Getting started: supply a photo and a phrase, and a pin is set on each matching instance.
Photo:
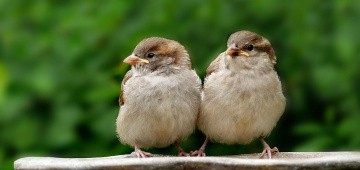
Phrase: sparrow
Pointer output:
(160, 97)
(242, 97)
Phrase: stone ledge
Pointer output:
(282, 160)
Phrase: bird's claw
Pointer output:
(198, 153)
(183, 154)
(142, 154)
(268, 151)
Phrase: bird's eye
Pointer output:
(150, 55)
(249, 47)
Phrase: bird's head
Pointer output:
(248, 50)
(156, 53)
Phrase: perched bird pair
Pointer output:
(161, 101)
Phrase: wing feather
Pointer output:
(127, 76)
(214, 65)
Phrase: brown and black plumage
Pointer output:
(242, 95)
(160, 96)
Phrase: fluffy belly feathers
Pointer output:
(165, 111)
(238, 110)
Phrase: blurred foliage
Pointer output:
(61, 68)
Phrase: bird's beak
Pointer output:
(234, 51)
(133, 60)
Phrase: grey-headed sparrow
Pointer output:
(160, 96)
(242, 95)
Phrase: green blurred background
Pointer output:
(61, 69)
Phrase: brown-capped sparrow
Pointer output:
(160, 96)
(242, 95)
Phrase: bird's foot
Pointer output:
(198, 153)
(201, 151)
(142, 154)
(268, 151)
(180, 150)
(182, 153)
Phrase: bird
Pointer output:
(160, 97)
(242, 97)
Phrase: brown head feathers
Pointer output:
(162, 47)
(244, 38)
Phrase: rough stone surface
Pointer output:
(283, 160)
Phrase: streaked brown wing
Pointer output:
(127, 76)
(214, 65)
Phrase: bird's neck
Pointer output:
(162, 70)
(246, 65)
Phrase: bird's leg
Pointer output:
(180, 150)
(201, 151)
(267, 150)
(141, 154)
